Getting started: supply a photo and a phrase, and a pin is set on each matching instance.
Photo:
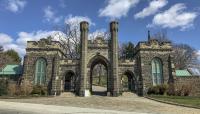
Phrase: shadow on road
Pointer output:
(99, 93)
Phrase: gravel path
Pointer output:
(127, 103)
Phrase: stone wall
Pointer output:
(192, 82)
(145, 53)
(66, 66)
(48, 50)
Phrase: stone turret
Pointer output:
(84, 28)
(114, 58)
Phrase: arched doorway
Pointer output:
(69, 81)
(98, 66)
(128, 82)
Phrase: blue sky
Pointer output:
(22, 20)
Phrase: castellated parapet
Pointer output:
(153, 44)
(98, 42)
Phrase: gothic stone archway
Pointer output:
(98, 89)
(107, 49)
(128, 82)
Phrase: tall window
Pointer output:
(40, 71)
(157, 75)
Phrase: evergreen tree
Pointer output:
(127, 50)
(14, 55)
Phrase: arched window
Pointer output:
(157, 75)
(40, 71)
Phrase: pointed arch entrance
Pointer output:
(69, 81)
(96, 87)
(129, 82)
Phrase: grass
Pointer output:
(185, 100)
(103, 81)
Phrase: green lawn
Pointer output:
(186, 100)
(103, 81)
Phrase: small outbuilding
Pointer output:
(11, 72)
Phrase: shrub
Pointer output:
(3, 87)
(39, 90)
(26, 88)
(186, 90)
(170, 90)
(183, 89)
(19, 90)
(163, 89)
(153, 90)
(12, 89)
(158, 90)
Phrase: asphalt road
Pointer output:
(28, 108)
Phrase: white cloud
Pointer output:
(21, 41)
(74, 21)
(9, 43)
(153, 7)
(18, 48)
(174, 17)
(62, 3)
(97, 33)
(23, 37)
(5, 39)
(50, 15)
(19, 44)
(15, 5)
(117, 8)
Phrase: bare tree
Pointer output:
(161, 36)
(70, 37)
(183, 54)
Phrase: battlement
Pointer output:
(99, 42)
(126, 62)
(154, 44)
(69, 62)
(45, 44)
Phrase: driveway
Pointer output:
(28, 108)
(128, 103)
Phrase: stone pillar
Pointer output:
(55, 89)
(84, 28)
(114, 59)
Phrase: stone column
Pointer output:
(54, 69)
(114, 58)
(84, 28)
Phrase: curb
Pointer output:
(172, 103)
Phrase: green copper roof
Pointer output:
(182, 73)
(11, 70)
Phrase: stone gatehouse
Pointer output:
(45, 64)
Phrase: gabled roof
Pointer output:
(11, 70)
(180, 73)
